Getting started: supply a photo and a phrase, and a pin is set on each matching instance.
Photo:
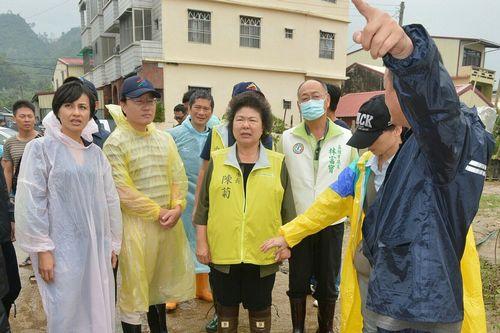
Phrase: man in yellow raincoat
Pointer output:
(155, 263)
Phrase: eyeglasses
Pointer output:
(143, 102)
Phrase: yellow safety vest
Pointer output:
(220, 137)
(237, 223)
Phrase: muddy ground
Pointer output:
(191, 316)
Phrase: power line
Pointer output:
(46, 10)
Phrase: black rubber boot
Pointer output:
(157, 318)
(298, 309)
(325, 317)
(260, 321)
(228, 319)
(129, 328)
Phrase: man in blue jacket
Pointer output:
(414, 233)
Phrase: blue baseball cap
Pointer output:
(136, 86)
(244, 87)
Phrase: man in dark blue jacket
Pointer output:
(414, 234)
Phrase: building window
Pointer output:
(206, 89)
(135, 27)
(250, 31)
(472, 58)
(93, 9)
(108, 47)
(288, 33)
(199, 26)
(287, 105)
(142, 25)
(326, 45)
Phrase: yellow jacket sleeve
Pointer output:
(326, 209)
(132, 201)
(177, 177)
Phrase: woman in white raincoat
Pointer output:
(68, 217)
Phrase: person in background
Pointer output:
(316, 151)
(24, 116)
(72, 237)
(245, 196)
(335, 92)
(190, 138)
(180, 113)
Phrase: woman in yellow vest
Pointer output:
(244, 199)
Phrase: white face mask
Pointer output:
(312, 109)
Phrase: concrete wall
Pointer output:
(298, 55)
(276, 87)
(363, 57)
(450, 51)
(62, 71)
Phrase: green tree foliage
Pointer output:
(27, 60)
(160, 113)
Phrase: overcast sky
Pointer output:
(465, 18)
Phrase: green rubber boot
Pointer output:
(212, 325)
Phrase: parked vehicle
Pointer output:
(5, 133)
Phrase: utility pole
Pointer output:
(401, 12)
(498, 93)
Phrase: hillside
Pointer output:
(27, 59)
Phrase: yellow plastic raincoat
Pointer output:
(155, 263)
(331, 206)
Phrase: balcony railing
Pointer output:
(478, 74)
(112, 69)
(123, 5)
(133, 55)
(86, 37)
(98, 76)
(110, 17)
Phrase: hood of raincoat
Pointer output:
(122, 122)
(53, 128)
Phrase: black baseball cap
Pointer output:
(244, 87)
(372, 120)
(86, 83)
(136, 86)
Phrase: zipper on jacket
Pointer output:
(244, 208)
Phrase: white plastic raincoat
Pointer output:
(155, 263)
(66, 202)
(190, 143)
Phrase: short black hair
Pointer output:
(187, 95)
(334, 92)
(201, 94)
(22, 103)
(255, 101)
(180, 108)
(70, 92)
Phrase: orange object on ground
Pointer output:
(202, 288)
